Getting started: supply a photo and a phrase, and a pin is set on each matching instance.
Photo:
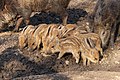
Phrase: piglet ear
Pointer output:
(104, 35)
(89, 43)
(60, 26)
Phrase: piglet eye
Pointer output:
(52, 46)
(96, 59)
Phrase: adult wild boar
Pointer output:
(106, 19)
(22, 9)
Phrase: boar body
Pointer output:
(24, 8)
(106, 19)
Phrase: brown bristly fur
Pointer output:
(65, 45)
(56, 30)
(76, 30)
(36, 38)
(74, 45)
(26, 7)
(89, 54)
(95, 37)
(23, 36)
(50, 33)
(65, 29)
(106, 17)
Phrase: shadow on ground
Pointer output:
(16, 64)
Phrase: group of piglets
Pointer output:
(53, 38)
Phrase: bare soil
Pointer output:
(16, 64)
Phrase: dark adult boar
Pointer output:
(24, 8)
(106, 19)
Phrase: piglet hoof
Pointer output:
(77, 61)
(29, 49)
(100, 62)
(58, 57)
(112, 47)
(45, 55)
(84, 64)
(67, 62)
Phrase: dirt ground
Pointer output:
(16, 64)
